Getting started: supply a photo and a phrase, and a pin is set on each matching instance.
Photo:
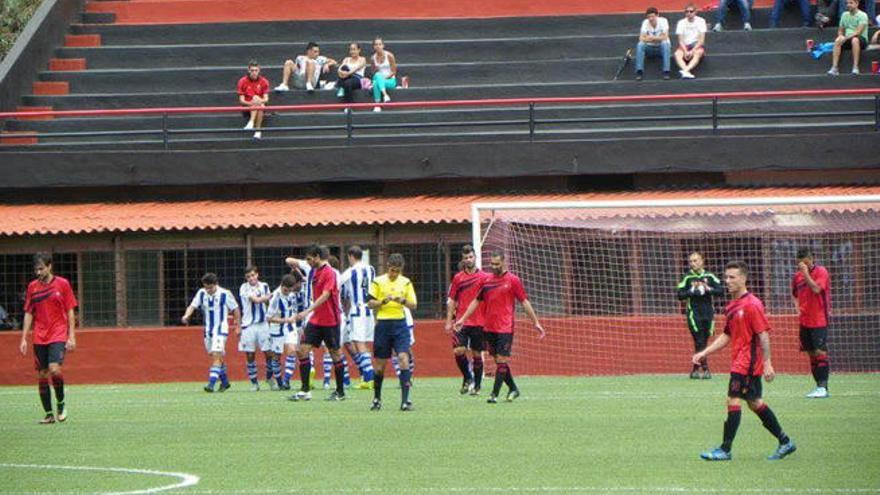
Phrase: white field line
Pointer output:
(185, 479)
(553, 489)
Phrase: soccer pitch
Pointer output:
(632, 434)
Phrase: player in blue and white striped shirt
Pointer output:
(255, 329)
(287, 301)
(216, 304)
(356, 282)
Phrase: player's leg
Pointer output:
(218, 348)
(41, 364)
(819, 338)
(327, 366)
(365, 364)
(401, 346)
(737, 389)
(305, 365)
(56, 359)
(694, 330)
(477, 345)
(382, 344)
(702, 340)
(331, 336)
(214, 369)
(459, 352)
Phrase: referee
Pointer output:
(697, 288)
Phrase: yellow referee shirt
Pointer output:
(383, 286)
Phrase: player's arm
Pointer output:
(376, 298)
(719, 343)
(188, 314)
(683, 290)
(319, 301)
(467, 313)
(805, 270)
(715, 288)
(25, 328)
(236, 320)
(769, 372)
(451, 306)
(71, 330)
(409, 297)
(530, 311)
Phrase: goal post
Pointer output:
(603, 276)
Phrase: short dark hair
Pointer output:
(498, 254)
(738, 265)
(209, 279)
(311, 45)
(290, 280)
(315, 251)
(467, 249)
(251, 268)
(804, 252)
(333, 261)
(253, 63)
(396, 261)
(356, 252)
(42, 258)
(652, 10)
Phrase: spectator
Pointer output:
(778, 5)
(691, 33)
(253, 93)
(6, 323)
(826, 13)
(875, 40)
(870, 10)
(745, 10)
(852, 34)
(653, 42)
(384, 73)
(308, 70)
(350, 73)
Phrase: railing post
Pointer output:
(877, 112)
(165, 130)
(714, 115)
(531, 121)
(349, 128)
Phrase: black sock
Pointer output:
(462, 362)
(814, 361)
(378, 378)
(339, 371)
(500, 371)
(478, 371)
(823, 369)
(508, 378)
(45, 395)
(305, 371)
(404, 386)
(734, 414)
(695, 368)
(768, 419)
(58, 385)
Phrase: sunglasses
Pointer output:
(689, 11)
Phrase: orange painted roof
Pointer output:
(82, 218)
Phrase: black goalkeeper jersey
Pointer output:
(699, 305)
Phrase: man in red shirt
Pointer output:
(747, 330)
(811, 289)
(253, 93)
(498, 295)
(465, 286)
(323, 327)
(49, 309)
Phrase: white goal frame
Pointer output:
(477, 208)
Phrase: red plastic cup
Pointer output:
(875, 67)
(810, 45)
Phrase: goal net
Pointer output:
(603, 276)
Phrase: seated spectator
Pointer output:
(253, 93)
(875, 40)
(691, 32)
(852, 34)
(826, 13)
(653, 42)
(745, 10)
(308, 70)
(384, 73)
(870, 9)
(350, 73)
(778, 5)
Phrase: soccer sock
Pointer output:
(268, 369)
(508, 378)
(478, 371)
(339, 371)
(224, 379)
(328, 366)
(276, 370)
(734, 414)
(462, 362)
(404, 385)
(368, 371)
(58, 385)
(814, 364)
(359, 362)
(500, 371)
(704, 364)
(377, 386)
(346, 373)
(289, 367)
(823, 369)
(305, 370)
(252, 371)
(768, 419)
(213, 375)
(45, 395)
(395, 364)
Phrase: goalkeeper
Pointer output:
(697, 288)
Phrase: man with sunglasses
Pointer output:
(691, 32)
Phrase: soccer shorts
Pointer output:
(814, 339)
(744, 387)
(256, 335)
(292, 338)
(345, 332)
(216, 343)
(48, 353)
(498, 344)
(470, 337)
(391, 335)
(276, 344)
(362, 328)
(315, 335)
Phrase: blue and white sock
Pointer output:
(290, 365)
(213, 375)
(412, 364)
(276, 370)
(346, 374)
(252, 371)
(395, 364)
(224, 379)
(268, 370)
(366, 366)
(328, 367)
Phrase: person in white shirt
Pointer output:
(307, 70)
(254, 296)
(745, 10)
(691, 32)
(653, 42)
(216, 304)
(287, 301)
(356, 280)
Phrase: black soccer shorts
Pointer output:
(814, 339)
(744, 387)
(470, 337)
(48, 353)
(499, 344)
(315, 335)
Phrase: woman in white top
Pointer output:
(384, 73)
(350, 73)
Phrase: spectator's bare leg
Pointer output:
(835, 54)
(695, 60)
(679, 59)
(289, 66)
(258, 115)
(857, 51)
(311, 73)
(253, 120)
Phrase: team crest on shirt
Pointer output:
(740, 313)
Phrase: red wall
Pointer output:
(574, 346)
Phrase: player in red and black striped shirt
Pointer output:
(747, 330)
(49, 309)
(498, 295)
(464, 289)
(811, 290)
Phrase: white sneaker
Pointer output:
(747, 27)
(249, 125)
(686, 74)
(377, 109)
(302, 396)
(717, 28)
(255, 386)
(258, 135)
(833, 72)
(309, 87)
(326, 385)
(855, 71)
(282, 87)
(386, 99)
(819, 393)
(330, 85)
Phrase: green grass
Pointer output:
(636, 434)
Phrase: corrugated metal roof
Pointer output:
(151, 216)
